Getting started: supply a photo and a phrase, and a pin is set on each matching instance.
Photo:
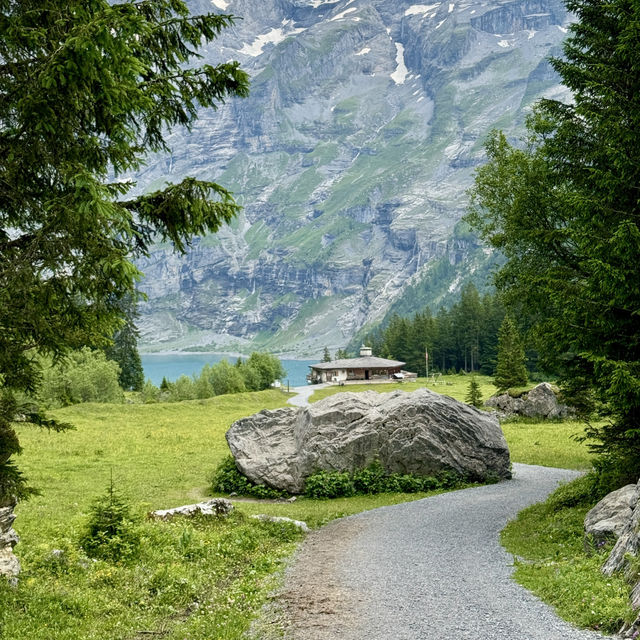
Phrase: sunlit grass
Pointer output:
(455, 386)
(547, 542)
(162, 455)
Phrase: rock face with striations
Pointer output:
(540, 402)
(351, 158)
(420, 433)
(617, 516)
(9, 564)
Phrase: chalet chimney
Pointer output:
(365, 351)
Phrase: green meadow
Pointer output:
(205, 578)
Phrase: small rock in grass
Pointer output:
(213, 507)
(296, 523)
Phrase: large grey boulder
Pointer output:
(612, 514)
(539, 402)
(9, 564)
(628, 542)
(617, 515)
(421, 433)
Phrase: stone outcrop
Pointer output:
(354, 200)
(617, 515)
(539, 402)
(213, 507)
(610, 516)
(421, 433)
(9, 564)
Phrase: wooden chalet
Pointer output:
(366, 367)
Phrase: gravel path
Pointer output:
(426, 570)
(304, 393)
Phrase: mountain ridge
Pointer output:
(351, 157)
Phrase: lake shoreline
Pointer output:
(173, 364)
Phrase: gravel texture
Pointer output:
(432, 569)
(303, 394)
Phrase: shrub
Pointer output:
(111, 532)
(225, 378)
(183, 388)
(227, 479)
(84, 376)
(149, 393)
(268, 369)
(329, 484)
(374, 479)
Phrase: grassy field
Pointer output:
(455, 386)
(547, 542)
(190, 580)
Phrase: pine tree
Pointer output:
(565, 213)
(510, 370)
(124, 349)
(89, 89)
(326, 356)
(474, 396)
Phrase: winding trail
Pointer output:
(432, 569)
(301, 399)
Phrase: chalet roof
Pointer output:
(367, 362)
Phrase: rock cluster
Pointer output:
(617, 516)
(421, 433)
(9, 564)
(213, 507)
(540, 402)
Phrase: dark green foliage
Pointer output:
(267, 367)
(111, 533)
(89, 89)
(474, 396)
(341, 354)
(510, 370)
(329, 484)
(565, 213)
(227, 479)
(124, 349)
(464, 337)
(326, 356)
(375, 479)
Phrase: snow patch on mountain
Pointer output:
(401, 72)
(275, 36)
(417, 9)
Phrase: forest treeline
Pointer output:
(462, 338)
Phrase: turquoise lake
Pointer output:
(173, 365)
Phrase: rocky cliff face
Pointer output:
(351, 157)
